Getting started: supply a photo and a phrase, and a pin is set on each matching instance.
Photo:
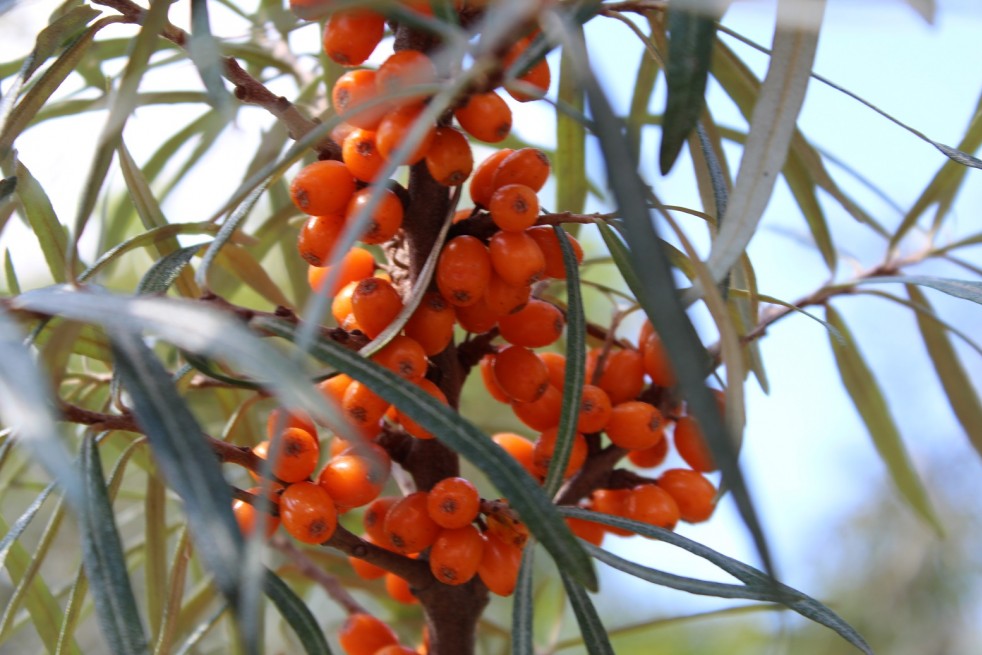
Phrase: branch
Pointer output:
(415, 572)
(307, 567)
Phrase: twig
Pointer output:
(306, 566)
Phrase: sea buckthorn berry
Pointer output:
(502, 298)
(341, 304)
(432, 323)
(479, 317)
(613, 502)
(411, 426)
(333, 388)
(545, 446)
(351, 36)
(499, 565)
(375, 303)
(352, 92)
(386, 219)
(538, 75)
(520, 374)
(363, 634)
(647, 458)
(556, 363)
(516, 258)
(586, 530)
(695, 495)
(352, 481)
(656, 362)
(404, 69)
(456, 554)
(691, 445)
(514, 207)
(323, 187)
(248, 516)
(536, 325)
(635, 425)
(528, 166)
(548, 242)
(623, 375)
(453, 502)
(360, 154)
(590, 364)
(357, 264)
(362, 406)
(485, 116)
(296, 454)
(408, 524)
(449, 158)
(280, 419)
(317, 238)
(521, 449)
(374, 520)
(480, 187)
(649, 503)
(399, 590)
(404, 357)
(487, 376)
(394, 128)
(463, 270)
(307, 512)
(595, 410)
(543, 413)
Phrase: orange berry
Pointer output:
(394, 127)
(399, 589)
(317, 238)
(623, 375)
(356, 265)
(411, 426)
(333, 388)
(695, 495)
(351, 36)
(307, 512)
(362, 406)
(352, 481)
(656, 362)
(514, 207)
(543, 413)
(520, 374)
(449, 158)
(432, 324)
(501, 298)
(323, 187)
(363, 634)
(528, 166)
(538, 75)
(456, 554)
(296, 454)
(548, 242)
(649, 503)
(352, 92)
(586, 530)
(375, 303)
(280, 419)
(647, 458)
(341, 306)
(691, 445)
(403, 69)
(520, 448)
(536, 325)
(463, 270)
(545, 446)
(404, 357)
(247, 516)
(478, 318)
(408, 524)
(499, 565)
(636, 425)
(374, 520)
(595, 410)
(360, 154)
(487, 376)
(556, 363)
(485, 116)
(613, 502)
(481, 188)
(453, 502)
(516, 258)
(385, 220)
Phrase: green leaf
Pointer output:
(872, 407)
(165, 270)
(175, 594)
(591, 626)
(570, 159)
(22, 523)
(246, 270)
(105, 562)
(10, 273)
(956, 382)
(771, 129)
(155, 546)
(297, 614)
(964, 289)
(690, 48)
(44, 223)
(57, 33)
(148, 238)
(644, 86)
(523, 606)
(225, 233)
(185, 460)
(204, 51)
(575, 369)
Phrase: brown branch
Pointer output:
(329, 583)
(415, 572)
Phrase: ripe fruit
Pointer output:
(280, 419)
(636, 425)
(352, 92)
(656, 362)
(296, 454)
(350, 37)
(516, 258)
(613, 502)
(374, 520)
(363, 634)
(431, 325)
(649, 503)
(545, 446)
(502, 299)
(536, 325)
(595, 410)
(453, 503)
(404, 357)
(695, 495)
(463, 270)
(323, 187)
(649, 457)
(623, 375)
(307, 512)
(548, 243)
(360, 154)
(485, 116)
(543, 413)
(520, 374)
(514, 207)
(449, 158)
(353, 481)
(519, 448)
(456, 554)
(691, 445)
(586, 530)
(394, 128)
(538, 75)
(481, 188)
(487, 376)
(403, 69)
(248, 516)
(478, 318)
(317, 238)
(375, 303)
(499, 565)
(384, 221)
(362, 406)
(408, 524)
(528, 166)
(356, 265)
(411, 426)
